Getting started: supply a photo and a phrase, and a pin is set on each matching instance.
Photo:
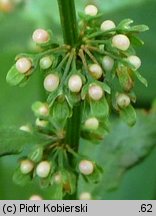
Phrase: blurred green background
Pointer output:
(16, 27)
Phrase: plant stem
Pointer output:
(68, 21)
(70, 34)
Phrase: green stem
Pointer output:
(68, 21)
(70, 34)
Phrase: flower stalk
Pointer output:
(70, 35)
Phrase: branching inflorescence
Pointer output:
(99, 72)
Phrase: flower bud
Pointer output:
(75, 83)
(25, 128)
(92, 123)
(6, 6)
(57, 178)
(86, 167)
(40, 109)
(95, 92)
(51, 82)
(45, 62)
(44, 110)
(135, 61)
(91, 10)
(85, 196)
(41, 123)
(26, 166)
(107, 63)
(96, 71)
(43, 169)
(35, 198)
(23, 65)
(107, 25)
(123, 100)
(40, 36)
(121, 42)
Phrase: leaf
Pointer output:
(141, 78)
(60, 112)
(20, 178)
(13, 141)
(96, 176)
(139, 28)
(125, 24)
(14, 77)
(100, 108)
(36, 154)
(136, 41)
(123, 148)
(56, 192)
(84, 91)
(128, 114)
(124, 78)
(106, 88)
(69, 181)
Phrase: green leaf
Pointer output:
(106, 88)
(136, 41)
(72, 183)
(100, 108)
(125, 24)
(36, 106)
(128, 114)
(96, 176)
(13, 141)
(56, 192)
(20, 178)
(60, 112)
(139, 28)
(124, 78)
(141, 78)
(72, 98)
(36, 153)
(84, 91)
(69, 181)
(14, 77)
(121, 149)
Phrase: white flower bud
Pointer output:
(86, 167)
(135, 61)
(107, 63)
(25, 128)
(35, 198)
(95, 92)
(85, 196)
(41, 123)
(96, 71)
(43, 169)
(107, 25)
(23, 65)
(91, 10)
(44, 110)
(40, 36)
(51, 82)
(6, 5)
(123, 100)
(121, 42)
(45, 62)
(75, 83)
(57, 178)
(26, 166)
(92, 123)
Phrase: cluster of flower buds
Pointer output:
(85, 75)
(55, 172)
